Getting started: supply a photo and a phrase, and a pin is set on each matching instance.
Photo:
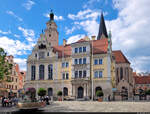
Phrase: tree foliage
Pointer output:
(99, 93)
(41, 92)
(59, 93)
(4, 65)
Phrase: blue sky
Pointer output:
(22, 21)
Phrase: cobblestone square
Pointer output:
(90, 106)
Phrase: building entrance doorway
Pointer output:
(50, 92)
(80, 92)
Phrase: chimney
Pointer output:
(93, 37)
(64, 42)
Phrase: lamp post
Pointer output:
(92, 73)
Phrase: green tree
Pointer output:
(41, 92)
(5, 67)
(59, 93)
(147, 92)
(99, 93)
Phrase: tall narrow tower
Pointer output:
(102, 33)
(51, 32)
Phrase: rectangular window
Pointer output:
(95, 61)
(76, 74)
(84, 60)
(100, 74)
(96, 74)
(100, 61)
(67, 64)
(80, 74)
(80, 61)
(84, 49)
(76, 61)
(80, 49)
(76, 50)
(84, 73)
(63, 76)
(63, 65)
(67, 76)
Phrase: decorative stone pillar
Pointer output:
(84, 86)
(46, 72)
(37, 71)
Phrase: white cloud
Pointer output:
(75, 38)
(17, 36)
(14, 47)
(28, 33)
(2, 32)
(55, 17)
(14, 15)
(130, 30)
(28, 5)
(21, 62)
(85, 14)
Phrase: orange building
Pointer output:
(13, 82)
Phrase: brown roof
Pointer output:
(62, 49)
(99, 47)
(119, 57)
(142, 79)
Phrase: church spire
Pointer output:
(51, 15)
(102, 28)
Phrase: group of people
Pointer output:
(46, 99)
(9, 101)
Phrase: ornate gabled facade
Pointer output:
(124, 78)
(78, 69)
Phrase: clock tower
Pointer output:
(51, 33)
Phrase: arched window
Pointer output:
(50, 71)
(50, 91)
(65, 91)
(117, 74)
(121, 73)
(127, 73)
(33, 68)
(41, 72)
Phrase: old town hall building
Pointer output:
(78, 69)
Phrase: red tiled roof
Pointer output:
(119, 57)
(142, 79)
(62, 49)
(99, 47)
(81, 40)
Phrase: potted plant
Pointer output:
(31, 92)
(99, 94)
(59, 94)
(41, 92)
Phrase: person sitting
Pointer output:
(3, 103)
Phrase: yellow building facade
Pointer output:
(78, 69)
